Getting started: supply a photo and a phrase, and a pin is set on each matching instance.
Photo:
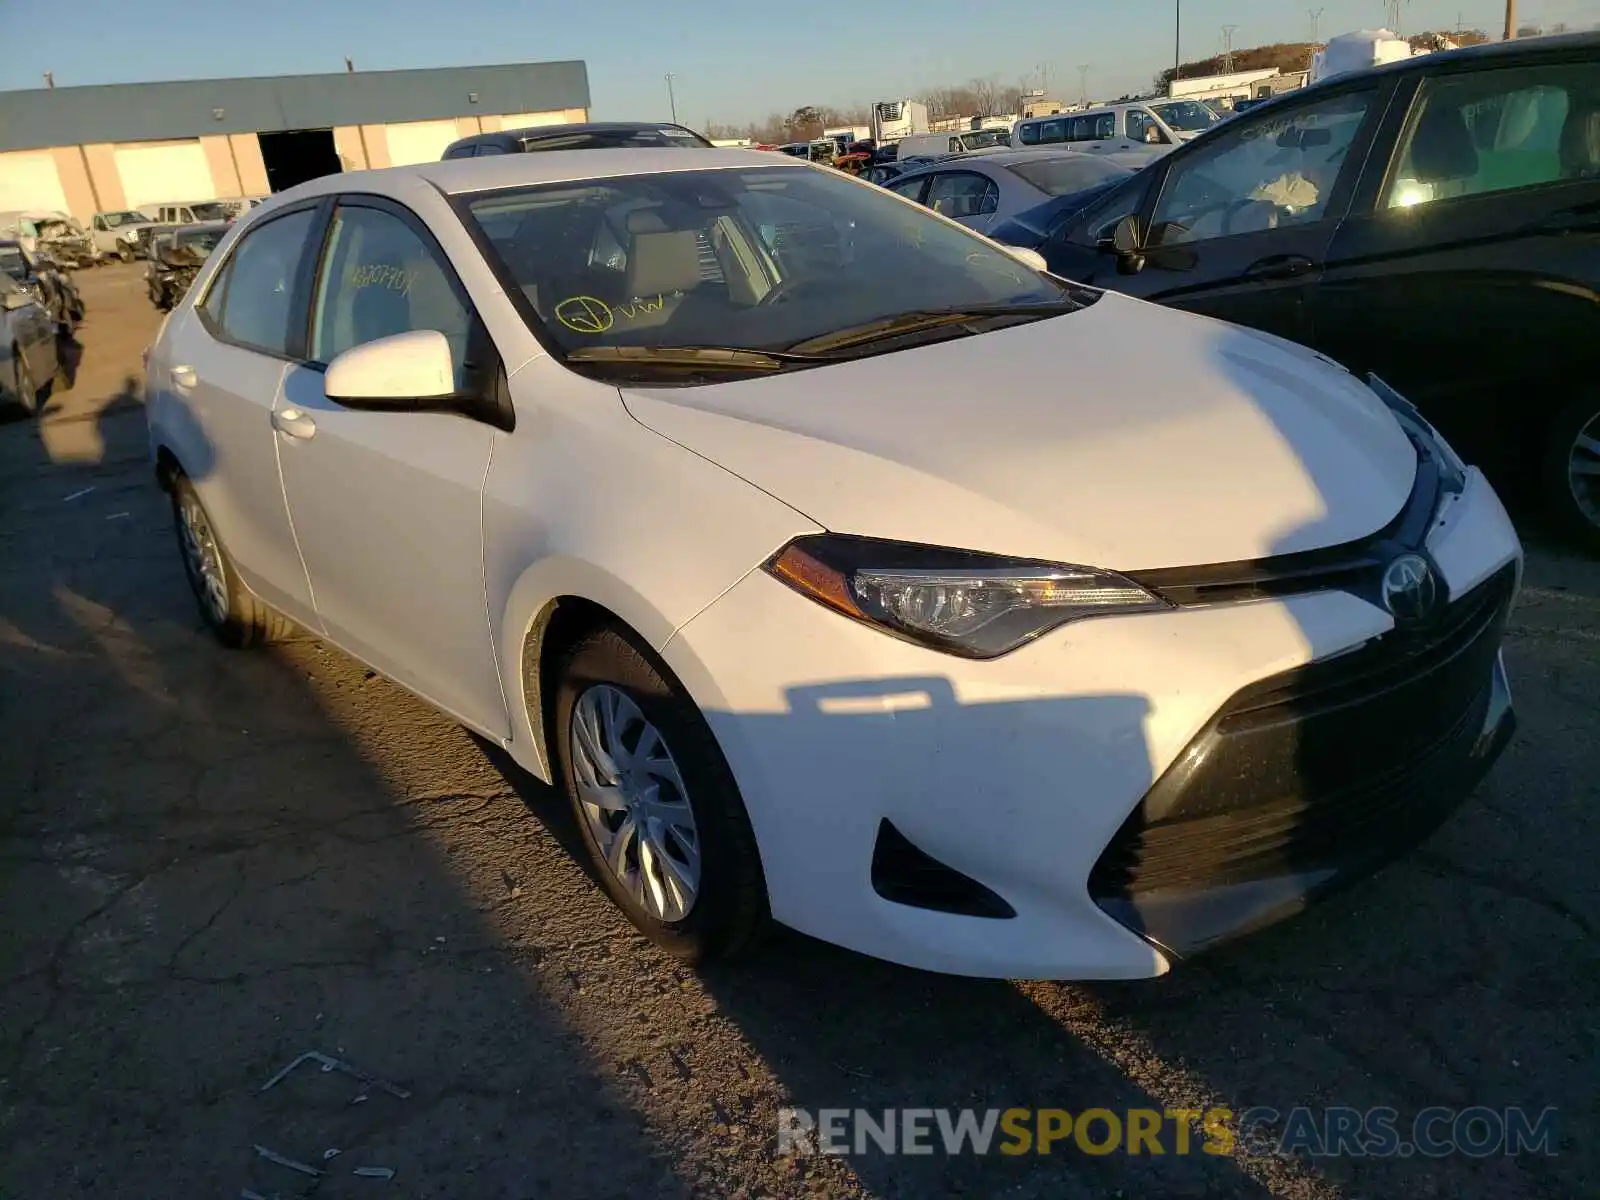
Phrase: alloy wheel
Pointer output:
(634, 802)
(27, 395)
(204, 559)
(1583, 470)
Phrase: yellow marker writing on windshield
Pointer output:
(584, 314)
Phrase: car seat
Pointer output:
(1442, 150)
(1580, 141)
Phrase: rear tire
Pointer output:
(1571, 470)
(228, 609)
(726, 914)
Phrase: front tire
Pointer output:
(655, 802)
(1572, 470)
(24, 392)
(228, 609)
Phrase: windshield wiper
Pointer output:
(920, 319)
(732, 358)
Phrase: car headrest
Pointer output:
(663, 263)
(646, 220)
(1442, 148)
(1580, 142)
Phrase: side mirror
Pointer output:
(1125, 237)
(410, 370)
(1030, 258)
(1152, 135)
(1127, 243)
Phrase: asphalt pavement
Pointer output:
(214, 861)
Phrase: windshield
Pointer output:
(115, 220)
(210, 212)
(1186, 116)
(201, 243)
(1067, 174)
(757, 258)
(984, 138)
(12, 262)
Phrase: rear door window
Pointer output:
(252, 300)
(1481, 132)
(957, 194)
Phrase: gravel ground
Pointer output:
(212, 861)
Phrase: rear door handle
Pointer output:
(1279, 266)
(294, 423)
(183, 377)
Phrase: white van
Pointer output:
(937, 145)
(1119, 126)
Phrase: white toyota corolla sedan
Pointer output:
(843, 569)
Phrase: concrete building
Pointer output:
(96, 149)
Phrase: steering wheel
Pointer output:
(1238, 206)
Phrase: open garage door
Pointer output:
(419, 141)
(29, 182)
(153, 172)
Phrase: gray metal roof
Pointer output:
(132, 112)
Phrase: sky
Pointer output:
(732, 62)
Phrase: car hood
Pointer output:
(1124, 435)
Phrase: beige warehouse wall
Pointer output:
(347, 142)
(554, 116)
(418, 141)
(219, 157)
(31, 179)
(246, 149)
(468, 126)
(377, 147)
(102, 160)
(75, 185)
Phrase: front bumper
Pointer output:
(1313, 779)
(871, 766)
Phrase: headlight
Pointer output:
(973, 605)
(1452, 470)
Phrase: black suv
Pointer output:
(1436, 221)
(609, 135)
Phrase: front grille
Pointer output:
(1320, 773)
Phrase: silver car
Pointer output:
(983, 190)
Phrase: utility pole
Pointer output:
(1227, 48)
(1316, 20)
(1177, 40)
(1511, 19)
(1083, 84)
(671, 98)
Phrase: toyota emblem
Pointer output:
(1410, 589)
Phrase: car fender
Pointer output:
(667, 535)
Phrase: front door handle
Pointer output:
(294, 423)
(1279, 266)
(183, 377)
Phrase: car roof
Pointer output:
(454, 176)
(1518, 48)
(534, 133)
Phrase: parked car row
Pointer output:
(48, 283)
